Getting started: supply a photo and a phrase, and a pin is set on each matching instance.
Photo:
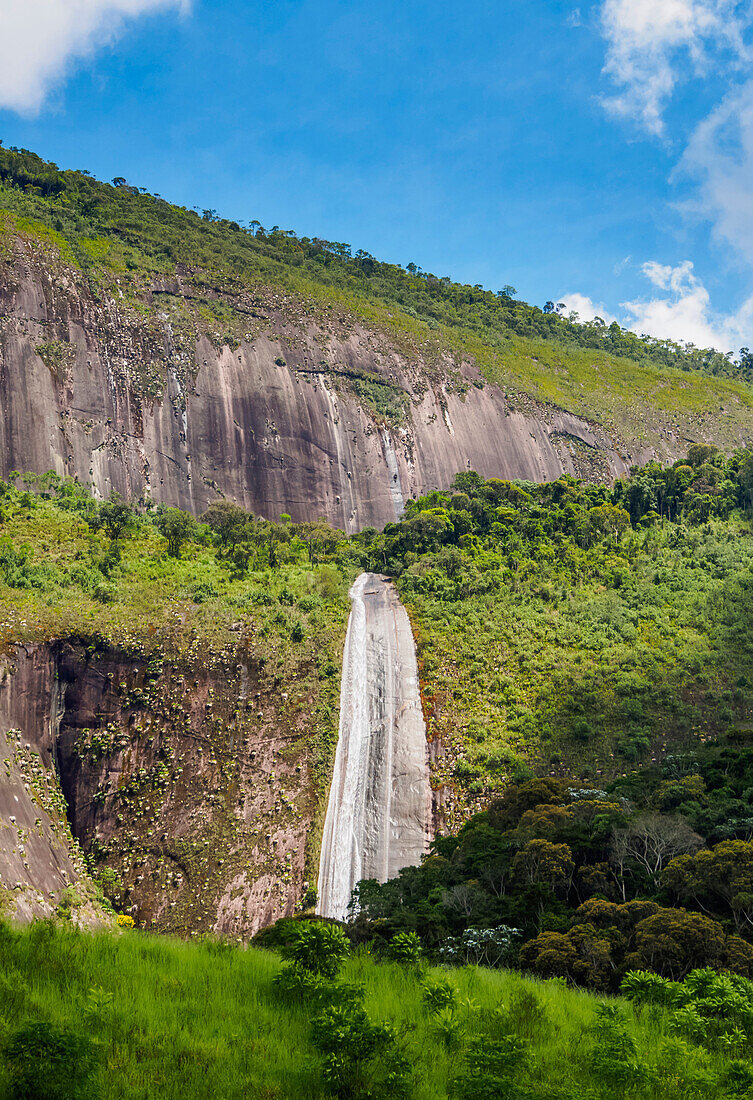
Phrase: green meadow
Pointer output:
(161, 1018)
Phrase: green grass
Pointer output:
(176, 1021)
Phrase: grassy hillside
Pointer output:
(143, 1017)
(119, 240)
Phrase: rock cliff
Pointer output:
(190, 788)
(296, 409)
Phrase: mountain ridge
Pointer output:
(184, 359)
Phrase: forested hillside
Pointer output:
(179, 357)
(140, 231)
(564, 630)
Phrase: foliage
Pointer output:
(188, 1021)
(545, 878)
(361, 1058)
(544, 632)
(711, 1009)
(46, 1062)
(317, 947)
(405, 948)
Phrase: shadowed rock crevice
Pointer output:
(188, 787)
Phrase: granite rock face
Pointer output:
(149, 402)
(188, 786)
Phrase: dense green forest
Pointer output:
(654, 872)
(122, 226)
(588, 626)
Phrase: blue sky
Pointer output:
(601, 154)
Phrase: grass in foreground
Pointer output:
(175, 1020)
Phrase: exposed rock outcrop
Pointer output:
(146, 400)
(191, 787)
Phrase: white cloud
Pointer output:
(685, 313)
(40, 38)
(720, 158)
(651, 44)
(585, 307)
(682, 313)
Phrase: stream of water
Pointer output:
(379, 811)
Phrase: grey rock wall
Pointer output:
(191, 784)
(148, 408)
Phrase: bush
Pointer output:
(361, 1059)
(439, 996)
(46, 1062)
(405, 948)
(317, 947)
(490, 1066)
(613, 1055)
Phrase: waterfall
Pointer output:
(379, 811)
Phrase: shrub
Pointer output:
(490, 1066)
(439, 995)
(480, 947)
(46, 1062)
(405, 948)
(361, 1059)
(613, 1055)
(526, 1014)
(317, 947)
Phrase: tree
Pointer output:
(550, 955)
(540, 861)
(116, 516)
(649, 843)
(720, 874)
(228, 521)
(177, 527)
(609, 521)
(505, 812)
(673, 941)
(320, 537)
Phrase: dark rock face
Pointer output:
(191, 785)
(37, 859)
(95, 389)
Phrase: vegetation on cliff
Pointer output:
(577, 628)
(582, 626)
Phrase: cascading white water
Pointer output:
(379, 811)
